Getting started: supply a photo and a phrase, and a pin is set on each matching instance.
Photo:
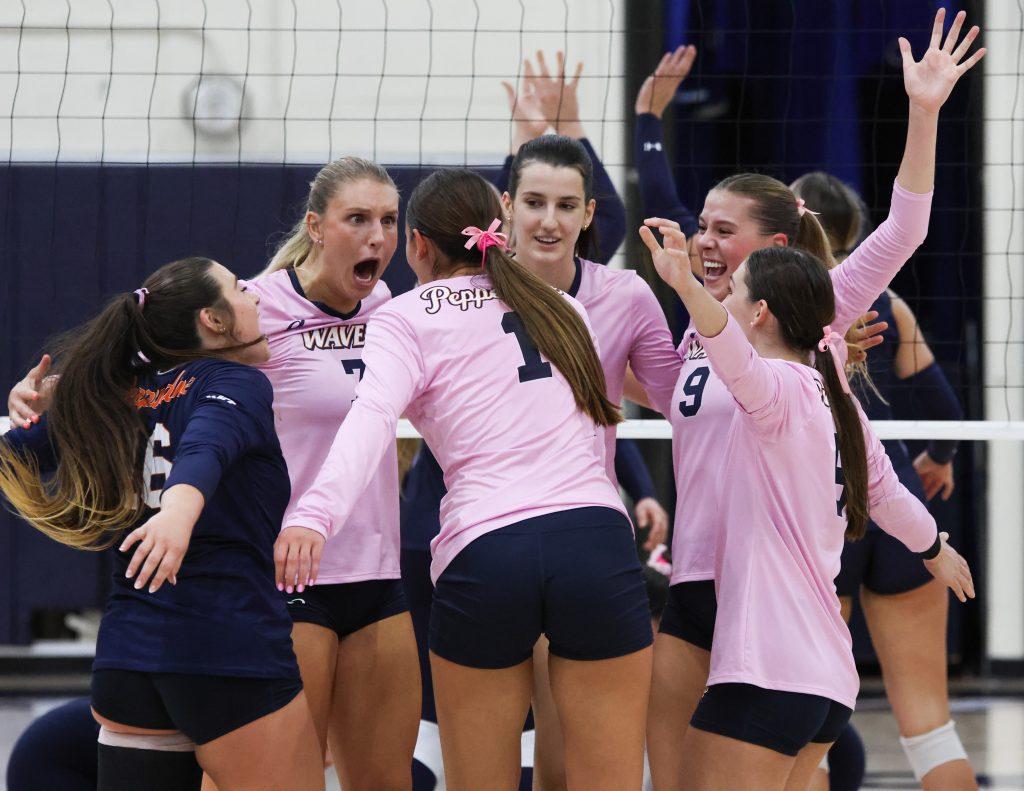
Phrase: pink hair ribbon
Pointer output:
(140, 296)
(827, 344)
(484, 239)
(801, 209)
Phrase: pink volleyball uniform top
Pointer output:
(316, 362)
(781, 496)
(500, 419)
(703, 409)
(630, 327)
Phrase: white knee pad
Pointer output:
(932, 749)
(164, 743)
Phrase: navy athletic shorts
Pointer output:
(347, 607)
(572, 575)
(881, 564)
(203, 708)
(785, 722)
(690, 612)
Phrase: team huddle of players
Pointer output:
(236, 440)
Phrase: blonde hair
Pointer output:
(297, 247)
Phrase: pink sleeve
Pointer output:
(393, 377)
(652, 356)
(862, 277)
(754, 384)
(892, 507)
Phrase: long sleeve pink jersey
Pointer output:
(631, 329)
(500, 419)
(780, 491)
(703, 408)
(316, 362)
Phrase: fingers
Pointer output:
(528, 73)
(967, 579)
(575, 81)
(305, 563)
(280, 559)
(560, 63)
(660, 222)
(291, 567)
(647, 235)
(511, 93)
(166, 569)
(131, 539)
(906, 54)
(542, 65)
(36, 375)
(643, 516)
(967, 64)
(663, 64)
(965, 45)
(686, 62)
(947, 489)
(314, 565)
(940, 18)
(155, 554)
(954, 31)
(870, 342)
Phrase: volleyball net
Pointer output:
(139, 132)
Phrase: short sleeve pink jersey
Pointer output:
(631, 329)
(780, 491)
(702, 408)
(501, 420)
(316, 362)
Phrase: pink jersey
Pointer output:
(316, 361)
(630, 327)
(501, 421)
(780, 491)
(703, 407)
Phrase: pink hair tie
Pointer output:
(140, 296)
(484, 239)
(801, 209)
(827, 344)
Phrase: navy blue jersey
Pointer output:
(211, 426)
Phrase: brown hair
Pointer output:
(94, 427)
(775, 211)
(840, 209)
(798, 291)
(449, 200)
(297, 247)
(560, 151)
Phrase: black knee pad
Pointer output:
(128, 769)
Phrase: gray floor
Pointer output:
(992, 730)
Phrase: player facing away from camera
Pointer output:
(499, 373)
(783, 683)
(160, 418)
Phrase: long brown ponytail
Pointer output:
(93, 424)
(449, 200)
(798, 291)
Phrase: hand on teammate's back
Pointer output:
(660, 86)
(934, 476)
(30, 397)
(950, 568)
(865, 335)
(652, 517)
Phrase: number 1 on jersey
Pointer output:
(534, 367)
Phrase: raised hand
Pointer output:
(528, 119)
(864, 335)
(672, 261)
(556, 94)
(30, 397)
(659, 87)
(929, 81)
